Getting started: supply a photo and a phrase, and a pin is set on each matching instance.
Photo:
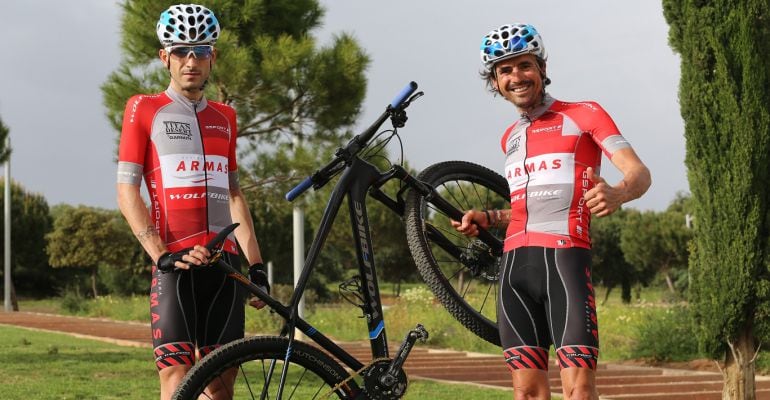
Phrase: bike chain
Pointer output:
(353, 375)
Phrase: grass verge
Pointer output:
(47, 366)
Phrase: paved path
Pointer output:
(614, 381)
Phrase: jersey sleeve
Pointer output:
(604, 131)
(232, 164)
(133, 143)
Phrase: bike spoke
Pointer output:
(486, 296)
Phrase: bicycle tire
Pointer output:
(466, 186)
(312, 373)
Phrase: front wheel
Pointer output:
(258, 362)
(462, 272)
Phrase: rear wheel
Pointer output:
(258, 362)
(461, 271)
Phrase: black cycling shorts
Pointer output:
(546, 297)
(199, 308)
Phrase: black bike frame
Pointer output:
(358, 180)
(355, 183)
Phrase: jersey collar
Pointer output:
(187, 103)
(541, 109)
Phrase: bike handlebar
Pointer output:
(355, 145)
(299, 189)
(404, 94)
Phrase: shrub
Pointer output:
(666, 336)
(73, 301)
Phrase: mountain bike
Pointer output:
(462, 272)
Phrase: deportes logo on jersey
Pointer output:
(547, 129)
(178, 130)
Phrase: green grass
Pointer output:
(45, 366)
(620, 325)
(56, 366)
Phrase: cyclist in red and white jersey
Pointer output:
(183, 145)
(553, 155)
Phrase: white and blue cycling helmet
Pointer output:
(510, 41)
(187, 24)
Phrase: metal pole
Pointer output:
(270, 273)
(7, 227)
(299, 251)
(298, 230)
(299, 260)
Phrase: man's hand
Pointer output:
(469, 225)
(198, 255)
(603, 199)
(258, 277)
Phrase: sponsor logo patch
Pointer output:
(178, 130)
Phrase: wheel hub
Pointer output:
(480, 260)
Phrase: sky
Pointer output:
(613, 52)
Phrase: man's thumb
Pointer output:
(593, 176)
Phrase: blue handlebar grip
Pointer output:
(299, 189)
(405, 93)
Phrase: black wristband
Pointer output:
(258, 276)
(166, 261)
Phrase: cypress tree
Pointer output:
(725, 104)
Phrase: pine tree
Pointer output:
(725, 104)
(268, 67)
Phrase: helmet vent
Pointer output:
(187, 24)
(509, 41)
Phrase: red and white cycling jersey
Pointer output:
(186, 153)
(547, 153)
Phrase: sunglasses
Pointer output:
(201, 51)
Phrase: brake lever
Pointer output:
(398, 116)
(413, 98)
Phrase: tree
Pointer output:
(725, 104)
(609, 266)
(268, 68)
(657, 243)
(5, 151)
(87, 237)
(30, 221)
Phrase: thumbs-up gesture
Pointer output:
(603, 199)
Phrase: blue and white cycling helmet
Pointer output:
(187, 24)
(510, 41)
